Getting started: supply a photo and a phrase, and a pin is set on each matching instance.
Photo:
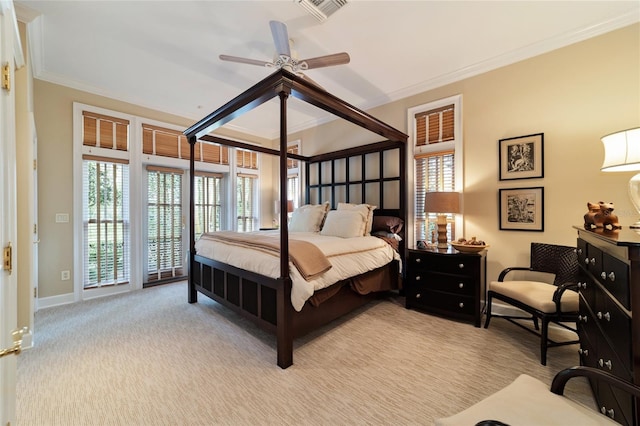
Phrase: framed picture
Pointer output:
(522, 157)
(521, 209)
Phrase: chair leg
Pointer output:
(544, 340)
(535, 323)
(486, 321)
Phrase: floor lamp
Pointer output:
(442, 203)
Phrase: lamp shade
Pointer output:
(442, 202)
(622, 151)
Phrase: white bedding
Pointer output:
(348, 256)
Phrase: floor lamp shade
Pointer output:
(622, 154)
(442, 203)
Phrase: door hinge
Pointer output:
(6, 77)
(7, 260)
(35, 164)
(35, 228)
(35, 292)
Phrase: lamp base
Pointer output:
(442, 232)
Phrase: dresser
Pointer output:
(609, 330)
(446, 283)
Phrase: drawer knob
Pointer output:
(610, 413)
(582, 318)
(612, 276)
(606, 316)
(579, 251)
(418, 278)
(586, 260)
(461, 265)
(418, 260)
(583, 352)
(461, 285)
(603, 275)
(603, 363)
(593, 261)
(461, 305)
(418, 296)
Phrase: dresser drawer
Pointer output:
(452, 264)
(615, 278)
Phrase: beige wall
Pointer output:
(573, 95)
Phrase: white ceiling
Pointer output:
(164, 54)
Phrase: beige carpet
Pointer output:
(150, 358)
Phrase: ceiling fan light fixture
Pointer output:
(321, 9)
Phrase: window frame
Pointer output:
(454, 145)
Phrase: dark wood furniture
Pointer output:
(609, 321)
(267, 301)
(446, 282)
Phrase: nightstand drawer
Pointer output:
(452, 264)
(441, 302)
(451, 283)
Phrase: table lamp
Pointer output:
(442, 203)
(622, 154)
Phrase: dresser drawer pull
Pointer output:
(603, 363)
(461, 305)
(586, 260)
(593, 260)
(609, 413)
(583, 352)
(582, 318)
(582, 285)
(418, 296)
(603, 275)
(606, 316)
(461, 266)
(418, 260)
(579, 251)
(417, 277)
(612, 276)
(461, 285)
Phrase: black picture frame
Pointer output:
(521, 157)
(521, 209)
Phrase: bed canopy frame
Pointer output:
(272, 309)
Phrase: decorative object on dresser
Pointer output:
(546, 290)
(609, 323)
(529, 401)
(600, 215)
(622, 154)
(446, 283)
(522, 157)
(442, 202)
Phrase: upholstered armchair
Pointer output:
(546, 290)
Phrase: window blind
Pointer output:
(246, 194)
(103, 131)
(106, 222)
(292, 163)
(207, 202)
(246, 159)
(436, 125)
(171, 143)
(434, 172)
(164, 223)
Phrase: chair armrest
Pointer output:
(505, 271)
(561, 379)
(557, 295)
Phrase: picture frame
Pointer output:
(521, 209)
(521, 157)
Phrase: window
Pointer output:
(105, 222)
(164, 224)
(208, 208)
(247, 185)
(437, 155)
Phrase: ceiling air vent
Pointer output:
(321, 9)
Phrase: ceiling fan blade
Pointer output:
(245, 60)
(326, 61)
(280, 37)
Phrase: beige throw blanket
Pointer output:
(305, 256)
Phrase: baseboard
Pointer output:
(51, 301)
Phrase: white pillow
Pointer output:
(344, 224)
(366, 209)
(308, 218)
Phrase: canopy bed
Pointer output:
(374, 173)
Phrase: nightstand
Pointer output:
(446, 283)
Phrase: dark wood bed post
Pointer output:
(193, 293)
(285, 309)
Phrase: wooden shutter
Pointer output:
(103, 131)
(247, 159)
(436, 125)
(166, 143)
(291, 163)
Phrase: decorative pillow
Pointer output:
(308, 218)
(365, 209)
(390, 224)
(344, 224)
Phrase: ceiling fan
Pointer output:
(284, 58)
